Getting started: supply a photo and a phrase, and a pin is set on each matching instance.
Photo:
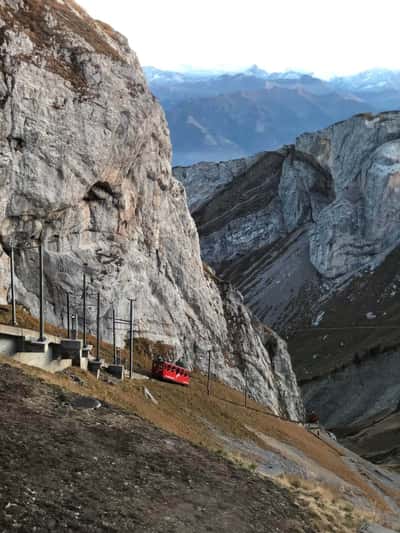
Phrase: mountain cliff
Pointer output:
(310, 236)
(85, 167)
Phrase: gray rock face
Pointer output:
(339, 186)
(377, 392)
(203, 180)
(85, 167)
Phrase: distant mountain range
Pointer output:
(215, 116)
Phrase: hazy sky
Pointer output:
(326, 37)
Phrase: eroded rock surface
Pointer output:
(332, 196)
(85, 167)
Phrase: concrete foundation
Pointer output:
(94, 366)
(23, 346)
(70, 349)
(10, 345)
(117, 371)
(43, 361)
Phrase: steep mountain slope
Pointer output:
(309, 481)
(109, 470)
(85, 168)
(310, 236)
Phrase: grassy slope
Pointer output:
(186, 413)
(189, 413)
(376, 292)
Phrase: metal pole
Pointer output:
(74, 320)
(68, 318)
(42, 338)
(245, 387)
(209, 373)
(131, 339)
(114, 340)
(84, 311)
(13, 307)
(98, 328)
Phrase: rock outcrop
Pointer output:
(308, 233)
(203, 180)
(85, 167)
(332, 197)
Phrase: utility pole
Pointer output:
(209, 374)
(98, 328)
(84, 309)
(42, 338)
(13, 306)
(245, 387)
(68, 318)
(114, 339)
(131, 338)
(74, 320)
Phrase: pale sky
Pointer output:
(326, 37)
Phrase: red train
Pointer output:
(170, 372)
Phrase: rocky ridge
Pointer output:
(309, 234)
(85, 167)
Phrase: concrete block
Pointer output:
(70, 349)
(94, 366)
(43, 360)
(32, 345)
(40, 360)
(10, 345)
(58, 365)
(84, 363)
(87, 350)
(116, 371)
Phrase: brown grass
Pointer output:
(329, 510)
(189, 413)
(30, 18)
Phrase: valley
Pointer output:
(216, 117)
(309, 235)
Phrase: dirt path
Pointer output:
(64, 468)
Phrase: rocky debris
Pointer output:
(108, 470)
(77, 379)
(374, 528)
(149, 396)
(85, 402)
(85, 167)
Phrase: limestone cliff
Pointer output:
(325, 207)
(310, 234)
(85, 166)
